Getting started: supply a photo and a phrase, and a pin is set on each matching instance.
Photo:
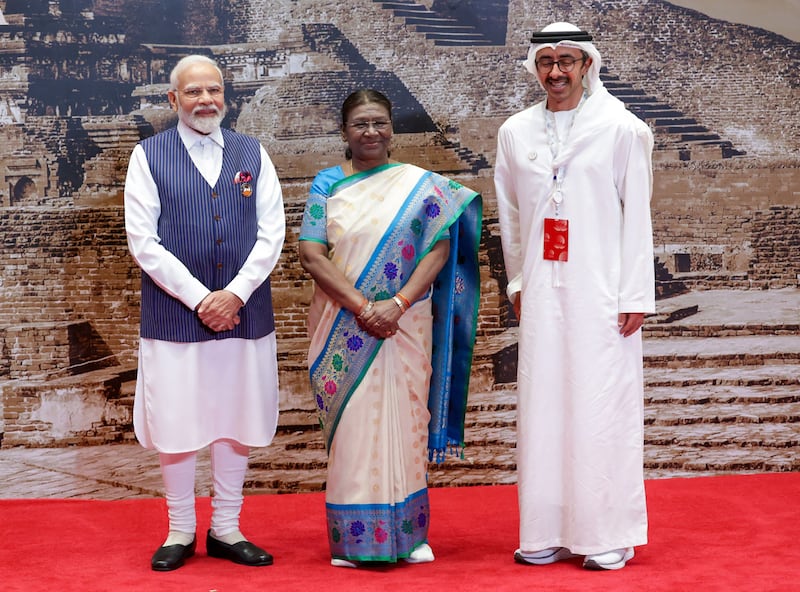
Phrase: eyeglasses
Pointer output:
(196, 93)
(362, 126)
(545, 65)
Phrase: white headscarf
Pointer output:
(591, 81)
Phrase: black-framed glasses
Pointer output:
(378, 125)
(545, 65)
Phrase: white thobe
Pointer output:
(580, 383)
(191, 394)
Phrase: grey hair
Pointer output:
(187, 61)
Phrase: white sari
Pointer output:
(373, 394)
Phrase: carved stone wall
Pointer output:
(734, 226)
(657, 45)
(69, 291)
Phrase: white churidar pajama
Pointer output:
(201, 386)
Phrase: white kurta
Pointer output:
(580, 383)
(191, 394)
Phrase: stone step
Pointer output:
(622, 89)
(289, 459)
(297, 420)
(713, 450)
(442, 30)
(718, 398)
(721, 360)
(294, 462)
(657, 331)
(461, 42)
(704, 435)
(492, 400)
(676, 128)
(698, 430)
(666, 407)
(440, 26)
(655, 397)
(469, 477)
(766, 375)
(664, 345)
(292, 481)
(429, 19)
(724, 413)
(489, 436)
(707, 435)
(482, 420)
(492, 465)
(669, 121)
(707, 138)
(678, 370)
(693, 460)
(647, 111)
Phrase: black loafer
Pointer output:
(172, 556)
(243, 552)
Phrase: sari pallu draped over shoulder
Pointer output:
(430, 208)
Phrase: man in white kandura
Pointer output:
(205, 222)
(574, 181)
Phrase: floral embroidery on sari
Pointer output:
(430, 212)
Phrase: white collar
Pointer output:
(190, 137)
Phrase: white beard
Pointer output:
(205, 124)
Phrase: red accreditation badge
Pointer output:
(556, 239)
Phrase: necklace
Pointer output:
(551, 127)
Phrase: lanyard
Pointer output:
(555, 143)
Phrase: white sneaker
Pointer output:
(342, 563)
(543, 557)
(422, 554)
(615, 559)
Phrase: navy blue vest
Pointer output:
(211, 230)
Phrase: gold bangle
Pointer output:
(404, 299)
(367, 307)
(362, 306)
(399, 304)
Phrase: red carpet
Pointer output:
(706, 535)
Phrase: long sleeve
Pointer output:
(508, 212)
(635, 182)
(142, 210)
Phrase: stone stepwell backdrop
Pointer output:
(81, 81)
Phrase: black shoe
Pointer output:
(243, 552)
(172, 556)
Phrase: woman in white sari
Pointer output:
(392, 249)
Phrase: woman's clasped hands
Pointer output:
(380, 319)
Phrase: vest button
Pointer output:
(219, 265)
(217, 217)
(214, 194)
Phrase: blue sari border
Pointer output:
(433, 207)
(378, 532)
